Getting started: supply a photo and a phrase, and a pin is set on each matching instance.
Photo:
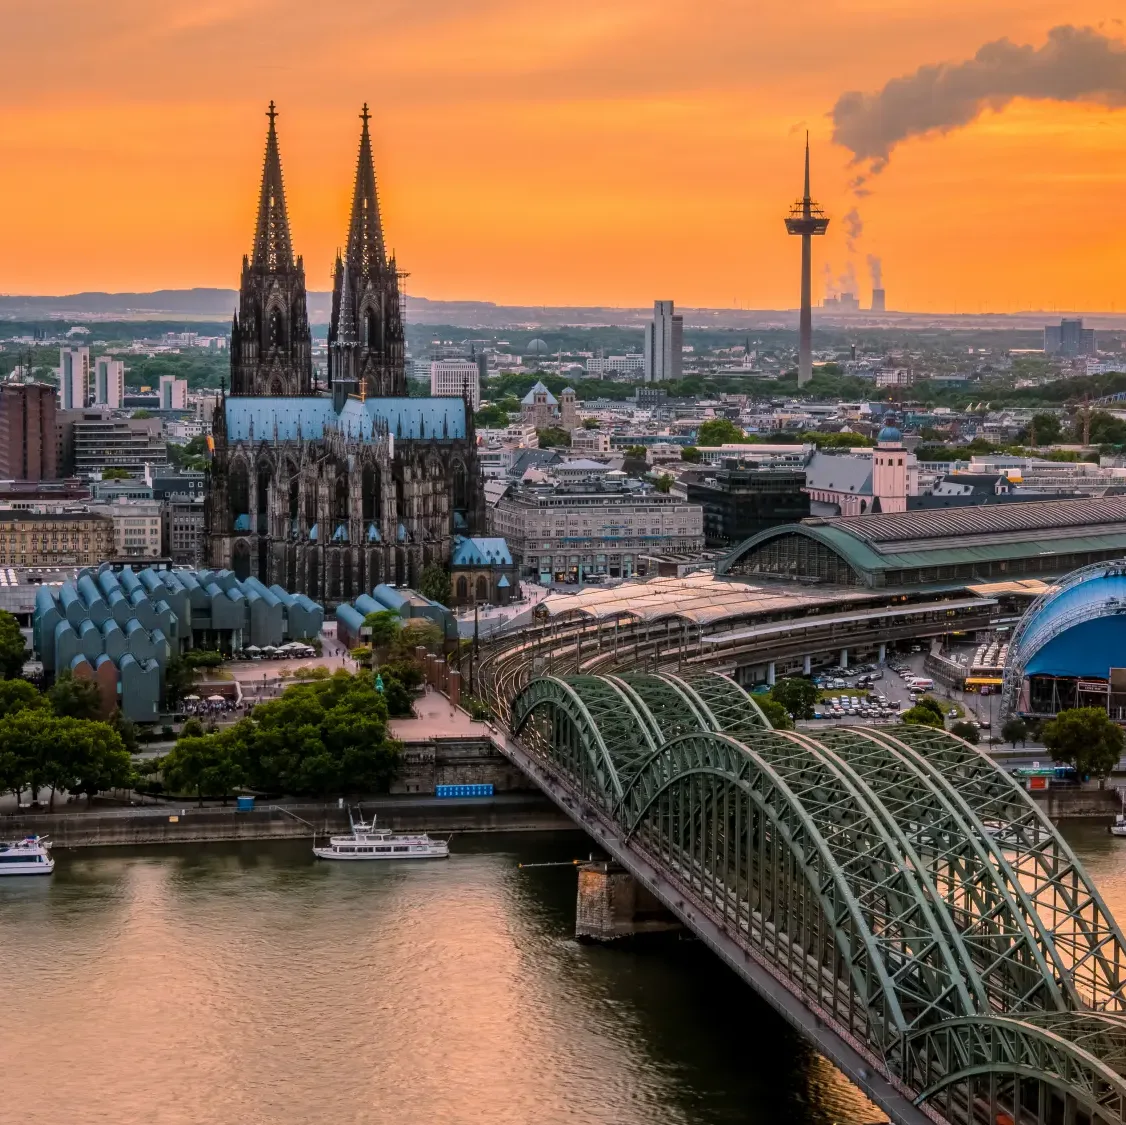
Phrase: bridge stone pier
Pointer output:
(613, 905)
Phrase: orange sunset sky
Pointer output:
(532, 152)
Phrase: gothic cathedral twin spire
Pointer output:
(271, 345)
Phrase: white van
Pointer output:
(921, 682)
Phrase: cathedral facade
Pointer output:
(328, 490)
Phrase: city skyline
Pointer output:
(530, 165)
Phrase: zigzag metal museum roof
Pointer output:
(309, 417)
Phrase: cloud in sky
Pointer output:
(1075, 64)
(619, 152)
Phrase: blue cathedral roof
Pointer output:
(311, 415)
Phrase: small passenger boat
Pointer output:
(1118, 828)
(29, 856)
(369, 842)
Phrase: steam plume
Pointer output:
(1076, 64)
(854, 228)
(876, 270)
(847, 280)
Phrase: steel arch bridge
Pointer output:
(894, 893)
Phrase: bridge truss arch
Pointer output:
(896, 882)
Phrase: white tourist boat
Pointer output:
(1118, 828)
(29, 856)
(369, 842)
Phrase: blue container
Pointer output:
(244, 804)
(485, 790)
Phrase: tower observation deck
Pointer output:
(806, 219)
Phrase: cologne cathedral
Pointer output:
(329, 489)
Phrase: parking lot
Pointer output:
(874, 693)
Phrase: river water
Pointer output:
(248, 983)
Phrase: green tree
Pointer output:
(591, 423)
(74, 698)
(1045, 429)
(966, 730)
(434, 583)
(1086, 738)
(923, 716)
(142, 413)
(1014, 730)
(776, 715)
(13, 648)
(99, 759)
(551, 436)
(206, 766)
(932, 705)
(797, 695)
(720, 431)
(664, 483)
(417, 631)
(408, 672)
(114, 473)
(397, 696)
(385, 626)
(691, 454)
(491, 416)
(19, 695)
(179, 680)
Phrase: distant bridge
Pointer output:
(890, 891)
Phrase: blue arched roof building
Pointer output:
(1071, 636)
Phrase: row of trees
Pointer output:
(55, 741)
(318, 739)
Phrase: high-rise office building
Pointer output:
(664, 344)
(28, 442)
(454, 377)
(1070, 338)
(173, 393)
(74, 377)
(109, 382)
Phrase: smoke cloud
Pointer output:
(854, 228)
(1076, 64)
(847, 281)
(876, 271)
(828, 280)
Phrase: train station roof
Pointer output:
(976, 542)
(699, 598)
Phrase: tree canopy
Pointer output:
(1086, 738)
(13, 648)
(797, 695)
(719, 431)
(321, 738)
(966, 730)
(927, 712)
(775, 713)
(73, 698)
(39, 750)
(384, 625)
(553, 436)
(434, 583)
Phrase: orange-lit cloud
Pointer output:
(599, 152)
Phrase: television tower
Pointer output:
(807, 219)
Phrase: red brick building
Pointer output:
(28, 441)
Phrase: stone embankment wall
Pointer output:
(181, 824)
(1060, 804)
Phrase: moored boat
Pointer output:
(29, 856)
(369, 842)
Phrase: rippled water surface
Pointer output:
(249, 983)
